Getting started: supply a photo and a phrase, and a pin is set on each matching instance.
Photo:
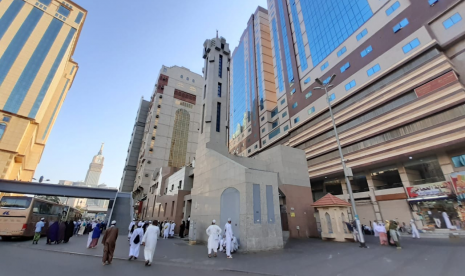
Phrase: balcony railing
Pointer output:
(389, 186)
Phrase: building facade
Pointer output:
(37, 41)
(398, 102)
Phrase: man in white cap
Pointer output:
(229, 237)
(172, 226)
(131, 228)
(39, 225)
(213, 232)
(135, 241)
(415, 233)
(109, 243)
(166, 230)
(150, 242)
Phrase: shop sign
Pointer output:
(458, 180)
(436, 84)
(433, 189)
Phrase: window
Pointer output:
(264, 142)
(451, 21)
(2, 129)
(262, 119)
(296, 120)
(284, 114)
(366, 51)
(432, 2)
(182, 76)
(178, 151)
(459, 161)
(6, 119)
(219, 90)
(332, 97)
(172, 187)
(328, 223)
(392, 8)
(274, 112)
(293, 91)
(342, 51)
(311, 110)
(63, 11)
(45, 2)
(307, 80)
(279, 69)
(350, 85)
(193, 80)
(308, 95)
(204, 91)
(274, 124)
(220, 67)
(218, 116)
(283, 101)
(263, 130)
(297, 32)
(327, 80)
(187, 78)
(324, 66)
(362, 34)
(401, 25)
(286, 128)
(373, 70)
(345, 67)
(255, 147)
(249, 151)
(180, 184)
(294, 105)
(274, 133)
(413, 44)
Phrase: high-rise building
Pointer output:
(37, 41)
(95, 169)
(397, 98)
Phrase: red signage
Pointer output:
(433, 189)
(436, 84)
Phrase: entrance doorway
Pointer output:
(230, 208)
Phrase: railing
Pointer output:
(389, 186)
(429, 180)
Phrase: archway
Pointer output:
(230, 208)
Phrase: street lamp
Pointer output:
(347, 172)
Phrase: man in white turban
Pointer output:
(150, 242)
(229, 237)
(135, 241)
(213, 232)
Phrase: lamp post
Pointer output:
(347, 171)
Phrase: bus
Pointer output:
(19, 215)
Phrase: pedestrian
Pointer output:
(61, 232)
(415, 233)
(52, 233)
(213, 233)
(234, 245)
(135, 241)
(166, 230)
(95, 236)
(172, 226)
(109, 243)
(39, 225)
(68, 231)
(89, 230)
(181, 229)
(131, 228)
(188, 223)
(146, 224)
(161, 229)
(229, 237)
(381, 230)
(82, 228)
(393, 231)
(150, 242)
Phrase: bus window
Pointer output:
(15, 202)
(42, 208)
(57, 210)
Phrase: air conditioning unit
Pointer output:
(146, 175)
(155, 127)
(157, 116)
(153, 138)
(160, 96)
(159, 106)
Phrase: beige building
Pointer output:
(37, 42)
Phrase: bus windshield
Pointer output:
(15, 202)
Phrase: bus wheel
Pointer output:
(6, 238)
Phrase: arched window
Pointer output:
(179, 139)
(2, 129)
(343, 219)
(181, 76)
(328, 222)
(193, 80)
(187, 78)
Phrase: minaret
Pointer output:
(95, 169)
(214, 121)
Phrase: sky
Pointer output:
(121, 49)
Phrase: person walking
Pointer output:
(82, 228)
(213, 233)
(381, 230)
(132, 225)
(172, 226)
(229, 237)
(415, 233)
(150, 242)
(109, 243)
(393, 231)
(188, 223)
(160, 224)
(37, 233)
(61, 232)
(135, 241)
(95, 236)
(166, 230)
(181, 229)
(69, 230)
(52, 233)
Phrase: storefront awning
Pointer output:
(428, 198)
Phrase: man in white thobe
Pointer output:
(135, 241)
(229, 237)
(415, 233)
(166, 230)
(213, 232)
(172, 226)
(150, 242)
(130, 227)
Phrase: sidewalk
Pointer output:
(300, 257)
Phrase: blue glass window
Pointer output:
(373, 70)
(332, 97)
(292, 91)
(274, 124)
(56, 107)
(240, 93)
(330, 23)
(6, 119)
(274, 112)
(324, 66)
(283, 101)
(392, 8)
(274, 133)
(261, 94)
(362, 34)
(63, 11)
(251, 79)
(45, 2)
(262, 119)
(72, 70)
(284, 114)
(413, 44)
(451, 21)
(308, 95)
(432, 2)
(350, 85)
(287, 53)
(2, 129)
(307, 80)
(277, 55)
(327, 80)
(342, 51)
(458, 161)
(264, 142)
(294, 105)
(220, 67)
(345, 67)
(401, 25)
(296, 120)
(366, 51)
(9, 16)
(218, 116)
(286, 128)
(219, 90)
(263, 130)
(297, 32)
(311, 110)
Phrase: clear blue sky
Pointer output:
(120, 52)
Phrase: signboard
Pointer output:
(292, 215)
(458, 180)
(436, 84)
(433, 189)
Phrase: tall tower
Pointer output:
(95, 169)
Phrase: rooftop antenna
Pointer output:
(216, 33)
